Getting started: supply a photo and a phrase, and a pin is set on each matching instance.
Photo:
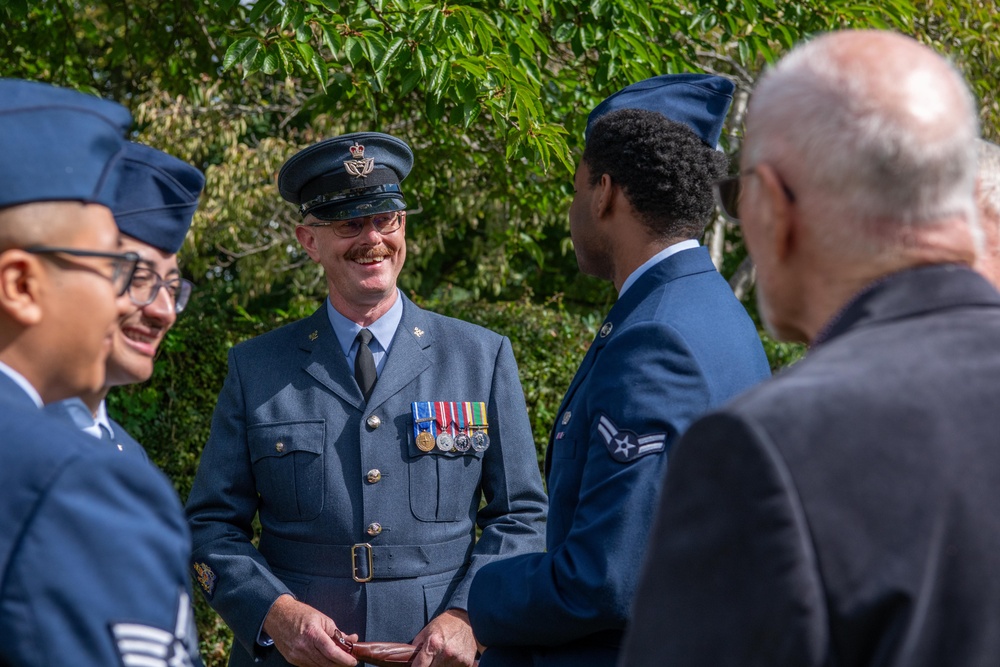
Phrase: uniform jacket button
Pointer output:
(374, 528)
(279, 447)
(374, 476)
(373, 421)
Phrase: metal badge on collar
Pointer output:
(606, 329)
(360, 166)
(625, 446)
(418, 332)
(314, 335)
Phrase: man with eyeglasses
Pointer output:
(153, 205)
(844, 512)
(676, 343)
(364, 438)
(93, 547)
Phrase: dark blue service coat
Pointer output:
(294, 443)
(93, 550)
(674, 345)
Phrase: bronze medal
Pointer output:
(425, 441)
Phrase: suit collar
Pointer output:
(910, 293)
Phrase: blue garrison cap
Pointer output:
(155, 197)
(57, 144)
(350, 176)
(700, 101)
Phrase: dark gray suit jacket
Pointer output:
(293, 443)
(846, 512)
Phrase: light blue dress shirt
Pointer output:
(383, 330)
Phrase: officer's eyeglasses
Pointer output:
(384, 223)
(146, 284)
(123, 265)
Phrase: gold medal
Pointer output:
(425, 441)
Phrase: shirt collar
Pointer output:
(656, 259)
(383, 329)
(22, 382)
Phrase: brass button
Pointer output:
(279, 447)
(374, 475)
(373, 421)
(374, 528)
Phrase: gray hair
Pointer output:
(989, 177)
(877, 146)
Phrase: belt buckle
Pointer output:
(354, 562)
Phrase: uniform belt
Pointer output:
(385, 562)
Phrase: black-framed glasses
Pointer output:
(123, 264)
(146, 284)
(384, 223)
(729, 192)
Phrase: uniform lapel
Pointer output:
(407, 357)
(326, 362)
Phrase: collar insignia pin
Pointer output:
(418, 332)
(314, 335)
(360, 166)
(606, 329)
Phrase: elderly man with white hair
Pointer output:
(844, 513)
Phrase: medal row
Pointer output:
(450, 426)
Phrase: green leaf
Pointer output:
(253, 60)
(409, 82)
(439, 77)
(434, 109)
(237, 51)
(272, 60)
(750, 7)
(390, 53)
(303, 33)
(259, 9)
(319, 68)
(564, 32)
(354, 50)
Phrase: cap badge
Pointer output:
(360, 166)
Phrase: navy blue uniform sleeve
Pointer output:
(585, 583)
(101, 562)
(512, 520)
(233, 575)
(730, 577)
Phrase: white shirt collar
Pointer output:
(656, 259)
(22, 382)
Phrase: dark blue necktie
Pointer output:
(364, 364)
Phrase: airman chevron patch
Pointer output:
(625, 446)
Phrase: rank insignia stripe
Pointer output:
(142, 645)
(626, 446)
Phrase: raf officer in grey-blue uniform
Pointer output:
(93, 545)
(153, 203)
(371, 439)
(676, 343)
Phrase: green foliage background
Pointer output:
(491, 94)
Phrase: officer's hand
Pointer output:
(302, 635)
(447, 641)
